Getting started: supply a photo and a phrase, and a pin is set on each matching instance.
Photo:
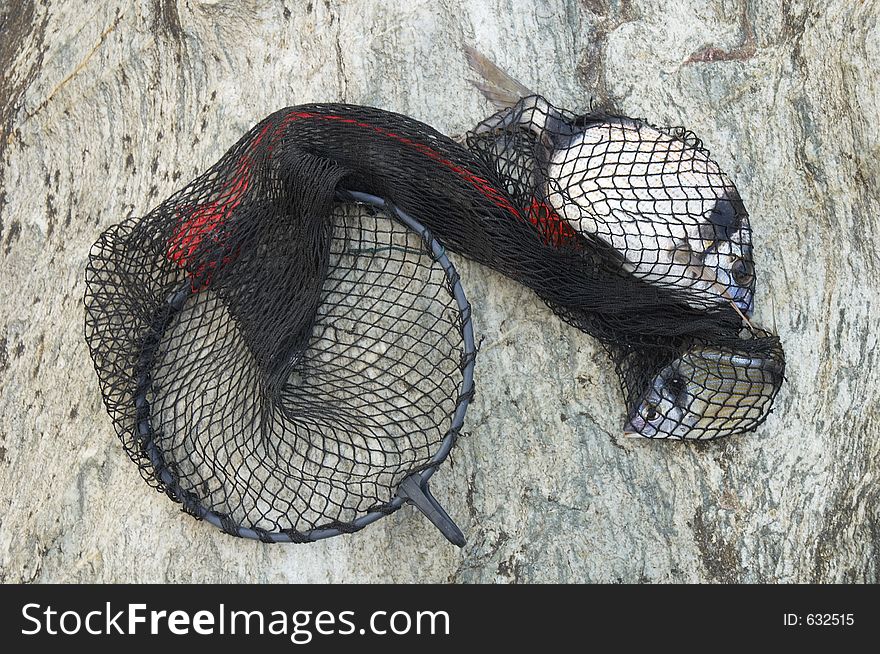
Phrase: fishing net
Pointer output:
(672, 279)
(289, 368)
(285, 364)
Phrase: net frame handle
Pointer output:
(413, 489)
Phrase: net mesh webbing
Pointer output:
(674, 234)
(276, 361)
(282, 365)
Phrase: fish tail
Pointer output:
(499, 88)
(516, 104)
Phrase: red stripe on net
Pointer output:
(205, 221)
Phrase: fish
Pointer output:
(653, 195)
(705, 393)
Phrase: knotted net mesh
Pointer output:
(283, 367)
(275, 357)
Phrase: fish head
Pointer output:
(662, 411)
(731, 273)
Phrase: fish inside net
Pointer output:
(285, 364)
(674, 279)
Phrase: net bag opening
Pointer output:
(287, 385)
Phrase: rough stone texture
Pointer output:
(106, 108)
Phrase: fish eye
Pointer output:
(651, 413)
(742, 271)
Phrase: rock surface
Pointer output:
(106, 110)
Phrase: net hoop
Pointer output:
(413, 489)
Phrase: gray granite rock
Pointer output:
(107, 108)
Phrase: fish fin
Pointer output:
(516, 104)
(727, 212)
(499, 88)
(724, 220)
(712, 235)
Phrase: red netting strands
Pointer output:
(459, 195)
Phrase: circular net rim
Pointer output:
(413, 488)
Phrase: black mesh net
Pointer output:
(276, 360)
(290, 367)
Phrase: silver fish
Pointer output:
(653, 196)
(706, 393)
